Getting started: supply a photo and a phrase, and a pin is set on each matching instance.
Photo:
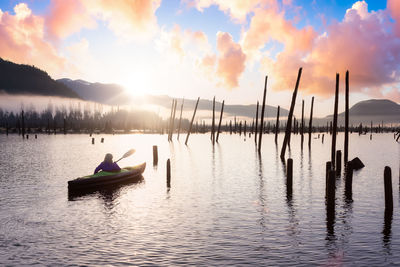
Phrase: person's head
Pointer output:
(108, 158)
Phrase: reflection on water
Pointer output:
(227, 205)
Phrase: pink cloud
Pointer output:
(22, 40)
(360, 44)
(67, 17)
(394, 9)
(236, 9)
(231, 60)
(127, 19)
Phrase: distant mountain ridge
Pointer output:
(25, 79)
(113, 94)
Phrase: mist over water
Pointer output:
(227, 204)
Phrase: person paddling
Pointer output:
(108, 165)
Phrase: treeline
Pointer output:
(25, 79)
(82, 120)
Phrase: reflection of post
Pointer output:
(330, 204)
(191, 123)
(302, 123)
(213, 123)
(387, 227)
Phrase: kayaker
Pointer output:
(107, 165)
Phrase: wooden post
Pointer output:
(255, 133)
(370, 136)
(346, 121)
(277, 125)
(230, 127)
(388, 188)
(244, 130)
(65, 126)
(289, 122)
(93, 141)
(334, 129)
(102, 140)
(171, 132)
(331, 188)
(328, 168)
(168, 173)
(191, 123)
(240, 128)
(27, 136)
(289, 175)
(170, 119)
(323, 135)
(55, 126)
(349, 181)
(35, 136)
(23, 123)
(213, 123)
(310, 123)
(338, 162)
(262, 115)
(220, 119)
(155, 155)
(180, 118)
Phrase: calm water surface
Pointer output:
(227, 204)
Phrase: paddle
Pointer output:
(127, 154)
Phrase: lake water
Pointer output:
(227, 205)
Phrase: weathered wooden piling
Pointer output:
(330, 197)
(334, 129)
(27, 136)
(230, 127)
(170, 118)
(338, 162)
(277, 125)
(348, 189)
(387, 176)
(220, 119)
(23, 123)
(168, 173)
(262, 115)
(323, 136)
(191, 123)
(213, 123)
(289, 175)
(35, 136)
(289, 122)
(155, 155)
(310, 123)
(240, 128)
(180, 119)
(302, 123)
(256, 128)
(346, 122)
(92, 140)
(171, 132)
(102, 140)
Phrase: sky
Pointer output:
(206, 48)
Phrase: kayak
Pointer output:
(102, 178)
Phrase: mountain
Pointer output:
(113, 94)
(375, 110)
(25, 79)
